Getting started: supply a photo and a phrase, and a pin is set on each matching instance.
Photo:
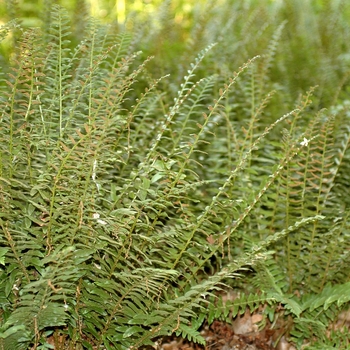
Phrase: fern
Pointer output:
(131, 200)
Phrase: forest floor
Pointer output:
(245, 334)
(242, 334)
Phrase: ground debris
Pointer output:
(223, 336)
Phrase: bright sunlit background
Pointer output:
(106, 10)
(30, 11)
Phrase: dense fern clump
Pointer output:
(137, 186)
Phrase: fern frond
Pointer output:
(57, 66)
(44, 301)
(329, 295)
(183, 94)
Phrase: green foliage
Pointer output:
(131, 199)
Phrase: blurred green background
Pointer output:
(30, 11)
(308, 40)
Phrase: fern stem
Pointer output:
(60, 75)
(239, 167)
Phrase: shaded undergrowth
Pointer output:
(130, 197)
